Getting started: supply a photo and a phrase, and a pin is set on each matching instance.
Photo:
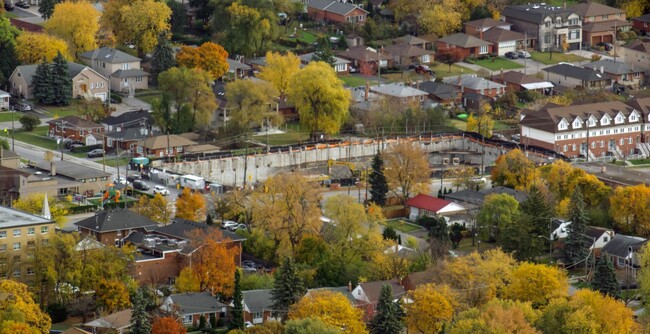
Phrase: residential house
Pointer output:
(191, 306)
(127, 139)
(575, 76)
(413, 280)
(73, 127)
(477, 27)
(129, 119)
(400, 96)
(353, 40)
(600, 23)
(118, 322)
(336, 11)
(413, 41)
(628, 75)
(344, 290)
(341, 66)
(4, 100)
(426, 205)
(642, 24)
(405, 54)
(122, 69)
(19, 232)
(162, 145)
(464, 45)
(519, 82)
(367, 295)
(503, 40)
(363, 56)
(238, 69)
(441, 92)
(258, 306)
(637, 53)
(601, 236)
(475, 90)
(623, 251)
(546, 27)
(111, 226)
(589, 130)
(86, 82)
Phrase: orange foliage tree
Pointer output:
(209, 57)
(190, 205)
(213, 262)
(167, 325)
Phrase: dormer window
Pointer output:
(577, 124)
(605, 120)
(619, 119)
(633, 117)
(563, 125)
(592, 122)
(558, 20)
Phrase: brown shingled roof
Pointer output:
(595, 9)
(26, 26)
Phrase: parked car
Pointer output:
(96, 153)
(248, 324)
(9, 7)
(22, 4)
(511, 55)
(160, 190)
(69, 143)
(523, 54)
(423, 69)
(248, 269)
(237, 227)
(140, 185)
(516, 138)
(20, 104)
(133, 177)
(249, 263)
(119, 180)
(228, 223)
(606, 46)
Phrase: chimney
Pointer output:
(602, 69)
(350, 286)
(367, 91)
(502, 75)
(52, 168)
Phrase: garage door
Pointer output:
(504, 47)
(607, 38)
(101, 96)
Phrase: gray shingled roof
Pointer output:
(129, 73)
(258, 300)
(467, 196)
(196, 303)
(372, 289)
(109, 55)
(319, 4)
(73, 170)
(180, 228)
(410, 40)
(581, 73)
(487, 23)
(621, 244)
(116, 219)
(531, 14)
(397, 90)
(234, 65)
(406, 50)
(613, 67)
(464, 40)
(131, 134)
(520, 196)
(473, 82)
(28, 71)
(642, 18)
(439, 89)
(135, 118)
(595, 9)
(306, 58)
(341, 8)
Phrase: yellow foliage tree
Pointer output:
(190, 205)
(156, 208)
(76, 23)
(333, 308)
(431, 308)
(482, 124)
(514, 170)
(33, 48)
(213, 263)
(441, 18)
(279, 70)
(19, 312)
(630, 208)
(34, 204)
(611, 315)
(407, 170)
(210, 57)
(143, 21)
(498, 316)
(187, 281)
(537, 283)
(112, 295)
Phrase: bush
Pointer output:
(220, 322)
(631, 35)
(30, 122)
(623, 35)
(83, 149)
(58, 312)
(116, 97)
(81, 209)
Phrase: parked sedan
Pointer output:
(160, 190)
(237, 227)
(523, 54)
(22, 4)
(606, 46)
(9, 7)
(96, 153)
(226, 224)
(511, 55)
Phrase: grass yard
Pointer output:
(442, 70)
(148, 95)
(640, 162)
(10, 15)
(37, 137)
(52, 111)
(402, 225)
(498, 63)
(307, 36)
(110, 161)
(543, 57)
(5, 116)
(293, 134)
(354, 80)
(462, 125)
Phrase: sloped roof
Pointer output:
(114, 220)
(515, 77)
(604, 26)
(426, 202)
(639, 45)
(196, 303)
(118, 320)
(76, 122)
(397, 90)
(306, 58)
(496, 35)
(611, 66)
(534, 13)
(439, 89)
(132, 118)
(363, 53)
(235, 65)
(549, 116)
(373, 289)
(162, 141)
(621, 244)
(410, 40)
(487, 23)
(71, 170)
(131, 134)
(406, 50)
(464, 40)
(342, 8)
(642, 18)
(467, 196)
(181, 228)
(520, 196)
(258, 300)
(473, 81)
(581, 73)
(109, 55)
(28, 71)
(420, 277)
(129, 73)
(595, 9)
(596, 231)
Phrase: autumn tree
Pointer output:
(92, 109)
(498, 213)
(279, 70)
(162, 57)
(537, 283)
(187, 281)
(323, 104)
(143, 21)
(192, 97)
(309, 326)
(76, 23)
(514, 170)
(481, 124)
(34, 204)
(190, 205)
(251, 104)
(498, 316)
(156, 208)
(286, 208)
(8, 56)
(213, 263)
(630, 209)
(249, 28)
(388, 319)
(167, 325)
(333, 308)
(431, 308)
(112, 295)
(407, 170)
(577, 244)
(377, 180)
(210, 57)
(33, 48)
(442, 18)
(18, 311)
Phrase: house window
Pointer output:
(573, 147)
(622, 141)
(547, 36)
(637, 74)
(483, 49)
(547, 24)
(604, 17)
(633, 118)
(179, 149)
(19, 75)
(30, 244)
(576, 124)
(257, 315)
(138, 79)
(620, 261)
(605, 238)
(573, 22)
(103, 65)
(629, 140)
(16, 273)
(16, 246)
(125, 66)
(593, 144)
(602, 144)
(30, 271)
(17, 232)
(3, 248)
(3, 234)
(574, 34)
(564, 149)
(44, 229)
(16, 258)
(562, 126)
(31, 231)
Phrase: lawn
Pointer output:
(640, 162)
(10, 15)
(5, 116)
(110, 161)
(307, 36)
(402, 225)
(38, 137)
(354, 80)
(462, 125)
(543, 57)
(293, 134)
(149, 95)
(497, 63)
(440, 70)
(52, 111)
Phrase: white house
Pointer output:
(425, 205)
(4, 100)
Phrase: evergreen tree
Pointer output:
(287, 289)
(162, 57)
(440, 193)
(237, 311)
(324, 52)
(46, 8)
(202, 322)
(605, 280)
(42, 83)
(388, 318)
(61, 81)
(576, 245)
(213, 321)
(140, 323)
(377, 181)
(208, 219)
(389, 233)
(537, 214)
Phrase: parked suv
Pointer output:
(133, 178)
(140, 185)
(96, 153)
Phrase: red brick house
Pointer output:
(642, 23)
(258, 306)
(336, 11)
(465, 45)
(367, 295)
(162, 145)
(73, 127)
(191, 306)
(110, 226)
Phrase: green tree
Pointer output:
(519, 239)
(605, 280)
(539, 213)
(178, 19)
(388, 318)
(61, 81)
(42, 83)
(324, 52)
(576, 244)
(389, 233)
(8, 57)
(377, 180)
(438, 235)
(288, 287)
(46, 8)
(162, 57)
(499, 211)
(237, 311)
(140, 322)
(249, 103)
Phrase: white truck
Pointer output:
(193, 182)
